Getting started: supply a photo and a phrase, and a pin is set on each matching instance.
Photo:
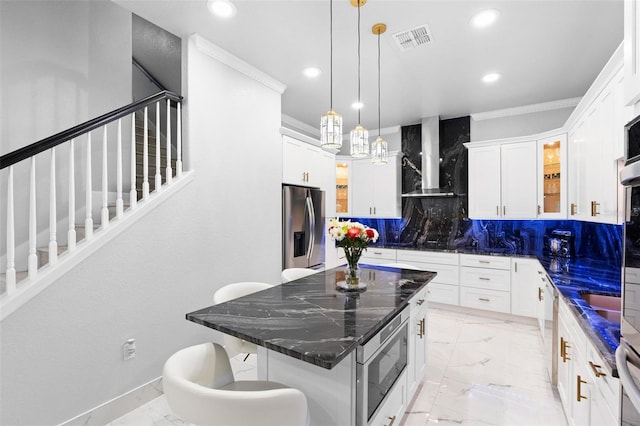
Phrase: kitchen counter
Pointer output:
(309, 319)
(572, 277)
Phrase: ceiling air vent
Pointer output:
(414, 37)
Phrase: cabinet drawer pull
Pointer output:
(596, 369)
(377, 253)
(484, 261)
(573, 209)
(484, 278)
(504, 210)
(563, 350)
(579, 382)
(539, 210)
(484, 299)
(420, 302)
(594, 208)
(393, 420)
(540, 298)
(497, 211)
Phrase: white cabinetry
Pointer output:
(378, 256)
(445, 287)
(485, 282)
(307, 165)
(502, 181)
(527, 288)
(589, 394)
(417, 340)
(631, 52)
(376, 188)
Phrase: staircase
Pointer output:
(29, 266)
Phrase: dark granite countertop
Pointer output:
(309, 319)
(572, 278)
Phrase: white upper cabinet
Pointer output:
(552, 177)
(631, 52)
(375, 189)
(502, 181)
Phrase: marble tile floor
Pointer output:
(482, 370)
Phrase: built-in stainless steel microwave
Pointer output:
(632, 141)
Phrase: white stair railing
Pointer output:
(16, 282)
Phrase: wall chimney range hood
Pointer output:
(430, 140)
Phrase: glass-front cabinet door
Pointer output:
(343, 187)
(552, 177)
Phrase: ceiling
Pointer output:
(545, 51)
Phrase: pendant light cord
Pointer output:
(359, 102)
(378, 83)
(331, 54)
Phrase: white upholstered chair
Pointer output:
(230, 292)
(199, 386)
(291, 274)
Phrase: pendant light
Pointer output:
(331, 122)
(379, 150)
(359, 135)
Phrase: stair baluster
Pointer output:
(119, 201)
(32, 260)
(179, 142)
(11, 249)
(158, 176)
(104, 213)
(145, 156)
(53, 222)
(133, 193)
(168, 171)
(71, 233)
(88, 221)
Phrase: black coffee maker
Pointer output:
(561, 244)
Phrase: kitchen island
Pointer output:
(312, 336)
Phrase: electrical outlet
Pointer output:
(129, 349)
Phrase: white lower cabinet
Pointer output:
(589, 394)
(485, 282)
(527, 288)
(378, 256)
(393, 408)
(445, 287)
(417, 360)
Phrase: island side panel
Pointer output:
(331, 394)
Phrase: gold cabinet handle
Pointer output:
(574, 208)
(421, 327)
(484, 261)
(504, 210)
(594, 208)
(484, 299)
(563, 350)
(596, 369)
(497, 210)
(579, 382)
(540, 298)
(393, 420)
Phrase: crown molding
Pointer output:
(299, 125)
(527, 109)
(232, 61)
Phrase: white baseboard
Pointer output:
(119, 406)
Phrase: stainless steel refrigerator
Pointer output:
(302, 227)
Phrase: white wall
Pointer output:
(62, 352)
(518, 125)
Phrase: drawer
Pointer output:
(490, 279)
(490, 300)
(447, 274)
(410, 256)
(443, 293)
(608, 385)
(372, 254)
(493, 262)
(393, 406)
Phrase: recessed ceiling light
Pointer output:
(221, 8)
(311, 72)
(491, 77)
(357, 105)
(485, 18)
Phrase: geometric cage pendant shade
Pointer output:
(331, 130)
